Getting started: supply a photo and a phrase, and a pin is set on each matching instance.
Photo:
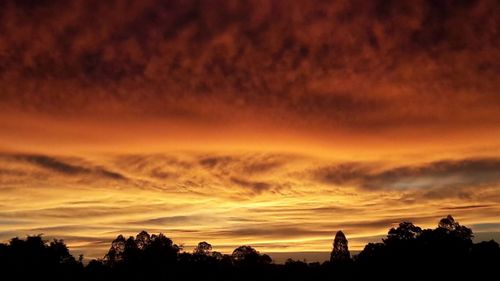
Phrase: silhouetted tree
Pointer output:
(217, 255)
(485, 255)
(60, 252)
(249, 256)
(372, 252)
(203, 249)
(404, 232)
(143, 239)
(451, 226)
(132, 253)
(408, 248)
(446, 252)
(161, 250)
(115, 252)
(340, 251)
(33, 258)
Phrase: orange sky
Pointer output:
(269, 123)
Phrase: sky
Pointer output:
(265, 123)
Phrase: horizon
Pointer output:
(278, 257)
(270, 123)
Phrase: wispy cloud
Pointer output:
(271, 200)
(470, 173)
(59, 166)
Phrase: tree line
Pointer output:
(407, 253)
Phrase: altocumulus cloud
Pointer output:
(338, 63)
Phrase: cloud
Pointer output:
(340, 174)
(270, 200)
(154, 166)
(291, 230)
(255, 186)
(276, 232)
(260, 173)
(61, 167)
(248, 164)
(212, 162)
(329, 64)
(489, 227)
(468, 207)
(249, 171)
(226, 175)
(52, 164)
(470, 173)
(174, 221)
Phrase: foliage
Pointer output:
(407, 252)
(340, 251)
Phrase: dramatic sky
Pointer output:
(268, 123)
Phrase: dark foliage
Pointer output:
(408, 252)
(33, 257)
(340, 252)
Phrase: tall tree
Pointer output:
(340, 251)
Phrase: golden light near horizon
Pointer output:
(268, 123)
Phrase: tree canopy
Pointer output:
(446, 251)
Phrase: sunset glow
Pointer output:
(267, 123)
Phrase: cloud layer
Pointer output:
(277, 202)
(349, 64)
(471, 173)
